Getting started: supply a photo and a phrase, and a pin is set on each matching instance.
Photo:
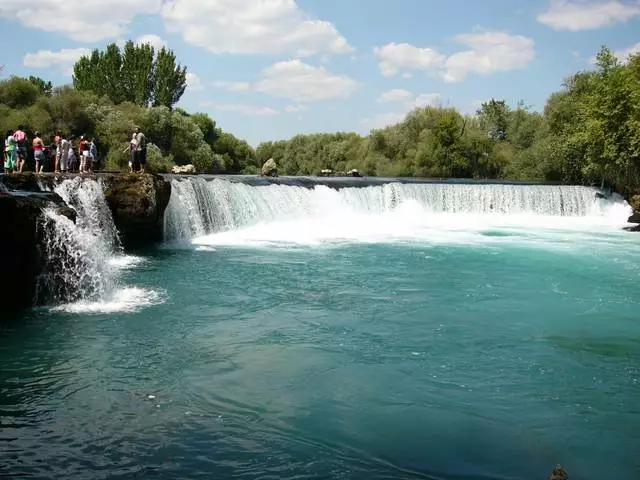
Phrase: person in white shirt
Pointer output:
(65, 146)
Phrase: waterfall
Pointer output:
(78, 254)
(199, 207)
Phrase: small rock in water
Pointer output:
(151, 397)
(559, 473)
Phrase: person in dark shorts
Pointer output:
(141, 149)
(21, 152)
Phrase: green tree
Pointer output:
(494, 117)
(170, 79)
(46, 88)
(134, 75)
(17, 92)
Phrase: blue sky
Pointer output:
(269, 69)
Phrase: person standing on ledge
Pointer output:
(141, 149)
(38, 152)
(21, 139)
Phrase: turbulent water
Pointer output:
(86, 258)
(393, 331)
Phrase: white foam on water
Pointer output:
(224, 213)
(122, 300)
(124, 262)
(85, 259)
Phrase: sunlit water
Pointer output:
(400, 343)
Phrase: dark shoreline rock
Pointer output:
(137, 203)
(20, 257)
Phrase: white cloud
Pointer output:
(577, 15)
(252, 26)
(241, 108)
(382, 120)
(302, 83)
(425, 100)
(395, 95)
(487, 52)
(622, 55)
(46, 58)
(154, 40)
(394, 57)
(86, 20)
(407, 75)
(194, 82)
(295, 108)
(233, 86)
(385, 119)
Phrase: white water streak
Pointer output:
(222, 212)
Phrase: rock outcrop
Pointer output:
(635, 218)
(20, 242)
(269, 169)
(559, 473)
(137, 203)
(183, 169)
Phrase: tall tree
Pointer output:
(494, 116)
(170, 79)
(134, 75)
(46, 88)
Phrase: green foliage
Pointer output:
(157, 162)
(588, 133)
(172, 135)
(45, 88)
(135, 74)
(17, 92)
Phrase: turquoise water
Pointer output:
(405, 360)
(392, 332)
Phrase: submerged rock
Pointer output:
(269, 169)
(137, 203)
(559, 473)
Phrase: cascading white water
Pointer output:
(86, 197)
(199, 207)
(78, 254)
(83, 259)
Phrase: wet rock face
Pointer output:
(20, 258)
(137, 203)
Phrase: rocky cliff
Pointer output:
(20, 244)
(137, 203)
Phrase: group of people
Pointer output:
(61, 154)
(137, 150)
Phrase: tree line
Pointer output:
(588, 132)
(113, 91)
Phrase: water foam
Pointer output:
(85, 259)
(226, 213)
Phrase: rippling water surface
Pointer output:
(388, 333)
(414, 360)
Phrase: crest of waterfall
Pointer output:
(199, 207)
(86, 197)
(78, 254)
